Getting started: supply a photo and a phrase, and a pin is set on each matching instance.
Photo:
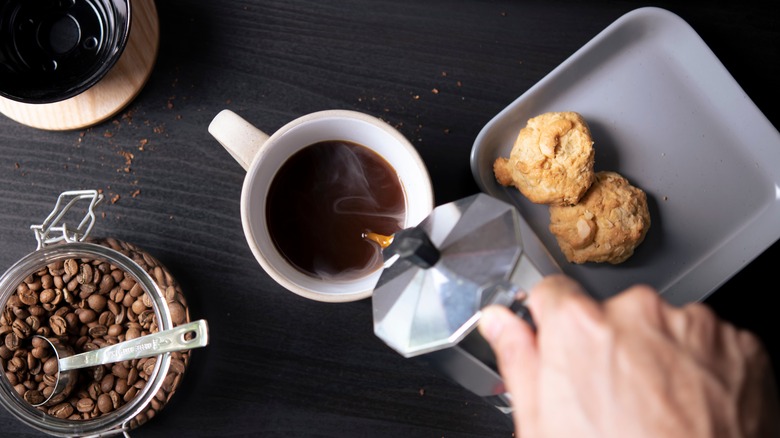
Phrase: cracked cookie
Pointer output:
(551, 161)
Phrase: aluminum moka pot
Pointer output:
(437, 277)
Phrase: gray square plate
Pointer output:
(667, 115)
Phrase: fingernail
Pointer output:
(490, 324)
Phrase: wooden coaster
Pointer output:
(112, 93)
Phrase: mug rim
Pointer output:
(425, 193)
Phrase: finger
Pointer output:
(547, 297)
(636, 306)
(513, 342)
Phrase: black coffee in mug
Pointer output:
(322, 201)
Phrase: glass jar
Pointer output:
(144, 279)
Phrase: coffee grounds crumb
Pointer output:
(108, 134)
(142, 143)
(115, 199)
(128, 157)
(135, 193)
(435, 91)
(421, 392)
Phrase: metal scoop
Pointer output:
(183, 337)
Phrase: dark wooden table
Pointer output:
(278, 364)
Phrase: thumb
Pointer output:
(514, 344)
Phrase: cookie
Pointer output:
(608, 223)
(551, 161)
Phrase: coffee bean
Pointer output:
(56, 268)
(12, 341)
(177, 366)
(34, 322)
(98, 331)
(58, 325)
(127, 283)
(71, 267)
(107, 383)
(47, 296)
(147, 318)
(97, 302)
(26, 296)
(106, 284)
(62, 410)
(47, 281)
(84, 275)
(106, 318)
(49, 380)
(86, 315)
(148, 367)
(85, 405)
(115, 399)
(113, 307)
(94, 390)
(132, 333)
(115, 330)
(50, 367)
(119, 370)
(21, 329)
(128, 300)
(178, 313)
(99, 372)
(138, 307)
(132, 375)
(85, 290)
(17, 364)
(39, 352)
(136, 291)
(33, 364)
(34, 397)
(104, 403)
(72, 321)
(130, 394)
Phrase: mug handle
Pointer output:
(237, 136)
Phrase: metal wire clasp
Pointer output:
(66, 233)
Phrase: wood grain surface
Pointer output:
(278, 364)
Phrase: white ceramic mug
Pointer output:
(262, 155)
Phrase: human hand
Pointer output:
(630, 366)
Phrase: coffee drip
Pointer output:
(380, 239)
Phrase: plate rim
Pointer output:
(701, 278)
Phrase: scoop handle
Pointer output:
(145, 346)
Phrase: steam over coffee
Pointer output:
(321, 202)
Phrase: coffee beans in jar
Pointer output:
(91, 295)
